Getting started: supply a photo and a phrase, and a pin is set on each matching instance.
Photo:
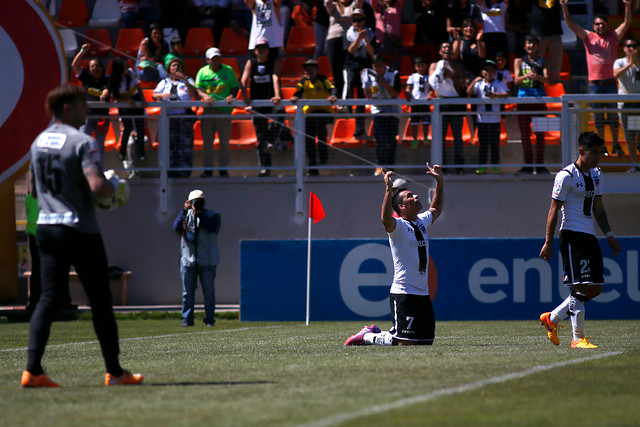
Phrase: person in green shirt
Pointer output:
(216, 82)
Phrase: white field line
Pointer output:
(373, 410)
(146, 338)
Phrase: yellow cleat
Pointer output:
(582, 343)
(552, 328)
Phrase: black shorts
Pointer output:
(581, 259)
(413, 318)
(417, 119)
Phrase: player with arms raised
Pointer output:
(67, 176)
(577, 193)
(413, 318)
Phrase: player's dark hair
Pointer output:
(589, 140)
(530, 38)
(629, 39)
(397, 200)
(118, 67)
(602, 16)
(57, 98)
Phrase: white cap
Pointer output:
(211, 52)
(196, 194)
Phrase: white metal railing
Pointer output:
(574, 117)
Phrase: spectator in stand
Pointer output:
(339, 20)
(240, 18)
(94, 81)
(486, 86)
(546, 25)
(494, 26)
(518, 24)
(418, 88)
(447, 79)
(150, 60)
(383, 82)
(315, 86)
(369, 14)
(215, 14)
(389, 29)
(320, 28)
(431, 28)
(627, 71)
(531, 74)
(502, 72)
(303, 12)
(266, 23)
(601, 46)
(459, 10)
(178, 87)
(216, 82)
(177, 47)
(470, 49)
(265, 84)
(134, 11)
(360, 50)
(124, 87)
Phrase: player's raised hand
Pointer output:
(435, 171)
(387, 179)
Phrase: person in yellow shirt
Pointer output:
(315, 86)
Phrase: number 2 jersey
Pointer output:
(577, 190)
(59, 156)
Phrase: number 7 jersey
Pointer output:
(577, 190)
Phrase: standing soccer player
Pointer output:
(67, 174)
(577, 193)
(413, 318)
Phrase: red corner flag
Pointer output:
(316, 211)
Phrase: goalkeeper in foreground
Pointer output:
(413, 318)
(67, 180)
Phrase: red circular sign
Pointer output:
(30, 45)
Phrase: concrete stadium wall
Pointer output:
(140, 238)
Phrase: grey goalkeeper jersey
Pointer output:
(58, 157)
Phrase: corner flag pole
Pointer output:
(316, 212)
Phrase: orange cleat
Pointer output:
(127, 378)
(30, 380)
(552, 328)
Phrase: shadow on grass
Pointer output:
(210, 383)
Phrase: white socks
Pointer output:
(570, 305)
(382, 338)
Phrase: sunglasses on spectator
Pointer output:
(634, 46)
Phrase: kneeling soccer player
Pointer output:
(413, 318)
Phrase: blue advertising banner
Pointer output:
(469, 279)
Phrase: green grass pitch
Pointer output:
(288, 374)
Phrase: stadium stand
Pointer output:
(301, 41)
(69, 41)
(128, 42)
(233, 44)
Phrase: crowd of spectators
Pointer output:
(460, 48)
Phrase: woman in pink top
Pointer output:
(389, 29)
(601, 46)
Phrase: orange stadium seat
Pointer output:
(325, 67)
(301, 41)
(287, 92)
(73, 13)
(198, 40)
(565, 69)
(128, 42)
(232, 43)
(100, 41)
(233, 63)
(555, 90)
(342, 135)
(292, 70)
(243, 135)
(408, 35)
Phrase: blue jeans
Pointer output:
(611, 118)
(189, 275)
